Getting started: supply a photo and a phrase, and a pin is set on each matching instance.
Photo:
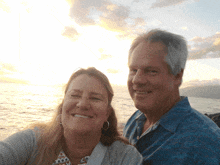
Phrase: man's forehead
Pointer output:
(154, 47)
(147, 50)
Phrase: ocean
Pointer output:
(22, 105)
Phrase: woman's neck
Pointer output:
(77, 146)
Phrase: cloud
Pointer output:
(113, 71)
(104, 13)
(7, 72)
(115, 17)
(28, 7)
(4, 6)
(80, 10)
(105, 56)
(6, 68)
(140, 22)
(184, 28)
(111, 16)
(12, 80)
(202, 47)
(217, 41)
(166, 3)
(212, 52)
(197, 39)
(71, 33)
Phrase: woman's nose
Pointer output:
(83, 103)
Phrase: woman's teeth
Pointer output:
(81, 116)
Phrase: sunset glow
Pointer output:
(44, 41)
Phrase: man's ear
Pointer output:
(179, 77)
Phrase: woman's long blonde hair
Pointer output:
(50, 135)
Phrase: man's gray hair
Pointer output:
(176, 45)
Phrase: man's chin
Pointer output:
(143, 106)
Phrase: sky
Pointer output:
(43, 42)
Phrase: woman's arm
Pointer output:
(18, 148)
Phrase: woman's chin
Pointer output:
(82, 130)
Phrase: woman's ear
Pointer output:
(109, 111)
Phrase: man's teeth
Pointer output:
(81, 116)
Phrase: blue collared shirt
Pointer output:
(181, 136)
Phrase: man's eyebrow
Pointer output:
(144, 67)
(152, 67)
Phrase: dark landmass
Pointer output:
(208, 91)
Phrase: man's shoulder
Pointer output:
(197, 125)
(195, 119)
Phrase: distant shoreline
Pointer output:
(206, 91)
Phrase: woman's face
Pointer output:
(85, 106)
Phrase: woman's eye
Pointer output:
(95, 98)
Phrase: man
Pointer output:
(165, 129)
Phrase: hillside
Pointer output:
(208, 91)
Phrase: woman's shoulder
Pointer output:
(120, 144)
(120, 147)
(121, 153)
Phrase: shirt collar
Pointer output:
(140, 116)
(173, 117)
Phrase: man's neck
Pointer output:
(153, 117)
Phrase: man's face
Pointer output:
(150, 84)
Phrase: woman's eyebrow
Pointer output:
(75, 90)
(98, 94)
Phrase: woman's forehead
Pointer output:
(89, 83)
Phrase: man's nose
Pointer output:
(139, 77)
(83, 103)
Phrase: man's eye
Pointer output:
(133, 70)
(75, 96)
(153, 72)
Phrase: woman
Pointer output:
(83, 131)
